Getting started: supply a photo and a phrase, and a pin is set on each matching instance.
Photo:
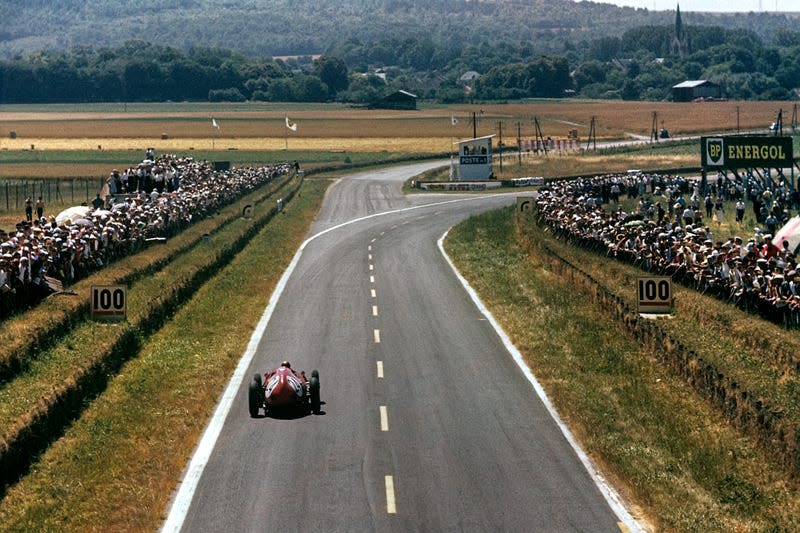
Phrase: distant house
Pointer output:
(469, 77)
(396, 100)
(381, 73)
(690, 90)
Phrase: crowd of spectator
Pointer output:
(150, 201)
(671, 232)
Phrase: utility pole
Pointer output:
(654, 127)
(474, 125)
(592, 140)
(519, 145)
(500, 147)
(779, 123)
(539, 136)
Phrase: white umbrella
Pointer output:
(789, 232)
(72, 213)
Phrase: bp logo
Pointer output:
(714, 152)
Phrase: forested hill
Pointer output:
(283, 27)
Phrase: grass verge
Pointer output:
(675, 458)
(115, 468)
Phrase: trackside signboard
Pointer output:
(109, 302)
(654, 294)
(746, 152)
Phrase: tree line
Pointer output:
(636, 65)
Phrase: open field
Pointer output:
(321, 123)
(88, 140)
(222, 144)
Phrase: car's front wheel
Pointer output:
(255, 396)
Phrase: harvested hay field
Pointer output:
(613, 119)
(223, 143)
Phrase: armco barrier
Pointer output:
(779, 437)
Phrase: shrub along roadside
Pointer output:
(116, 466)
(37, 405)
(667, 449)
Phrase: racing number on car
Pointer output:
(109, 302)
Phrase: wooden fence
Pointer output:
(60, 191)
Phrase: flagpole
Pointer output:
(289, 126)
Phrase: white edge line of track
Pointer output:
(183, 498)
(610, 494)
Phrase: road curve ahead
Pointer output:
(428, 423)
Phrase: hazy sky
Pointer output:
(710, 5)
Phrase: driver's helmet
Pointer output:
(286, 364)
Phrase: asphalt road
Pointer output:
(428, 424)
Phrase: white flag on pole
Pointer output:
(214, 123)
(291, 125)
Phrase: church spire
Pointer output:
(679, 45)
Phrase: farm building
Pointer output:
(396, 100)
(694, 89)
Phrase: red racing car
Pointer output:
(284, 389)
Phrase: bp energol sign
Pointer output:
(746, 152)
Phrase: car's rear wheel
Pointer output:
(255, 396)
(314, 391)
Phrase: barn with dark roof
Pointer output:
(396, 100)
(690, 90)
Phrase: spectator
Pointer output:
(42, 249)
(740, 208)
(719, 210)
(688, 215)
(757, 277)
